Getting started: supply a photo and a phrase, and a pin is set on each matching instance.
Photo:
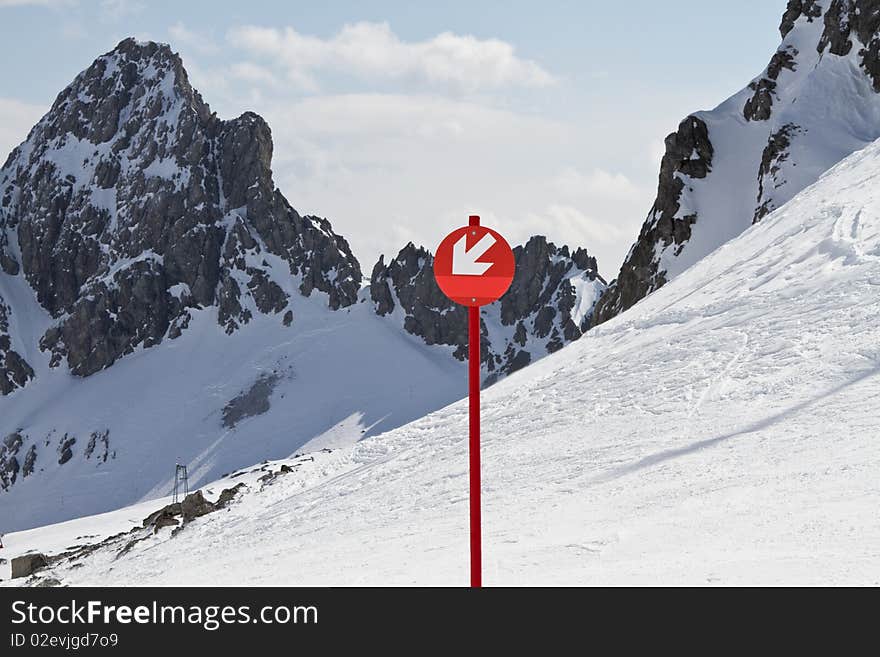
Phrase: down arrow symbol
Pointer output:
(464, 260)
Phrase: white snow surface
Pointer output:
(338, 376)
(725, 430)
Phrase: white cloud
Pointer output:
(386, 168)
(254, 74)
(212, 82)
(577, 227)
(183, 36)
(373, 51)
(572, 183)
(405, 117)
(16, 120)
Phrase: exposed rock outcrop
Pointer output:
(9, 465)
(854, 24)
(27, 564)
(775, 153)
(817, 101)
(195, 505)
(15, 372)
(758, 107)
(688, 155)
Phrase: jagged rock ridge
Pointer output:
(549, 303)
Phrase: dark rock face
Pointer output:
(758, 107)
(168, 511)
(27, 564)
(688, 153)
(251, 402)
(541, 288)
(542, 310)
(227, 495)
(98, 446)
(408, 282)
(195, 505)
(859, 19)
(30, 460)
(796, 9)
(9, 465)
(776, 152)
(14, 370)
(164, 520)
(131, 205)
(65, 449)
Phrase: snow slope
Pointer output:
(306, 395)
(723, 431)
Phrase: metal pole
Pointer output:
(474, 443)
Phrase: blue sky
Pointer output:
(397, 119)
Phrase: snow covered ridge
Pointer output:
(817, 101)
(724, 431)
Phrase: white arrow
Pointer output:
(464, 260)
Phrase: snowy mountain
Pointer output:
(130, 205)
(817, 101)
(160, 299)
(733, 439)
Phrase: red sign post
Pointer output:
(474, 266)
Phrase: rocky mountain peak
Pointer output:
(121, 89)
(131, 204)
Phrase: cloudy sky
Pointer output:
(398, 119)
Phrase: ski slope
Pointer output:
(723, 431)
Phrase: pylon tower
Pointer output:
(181, 482)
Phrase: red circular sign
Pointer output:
(474, 265)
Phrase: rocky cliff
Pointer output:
(817, 101)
